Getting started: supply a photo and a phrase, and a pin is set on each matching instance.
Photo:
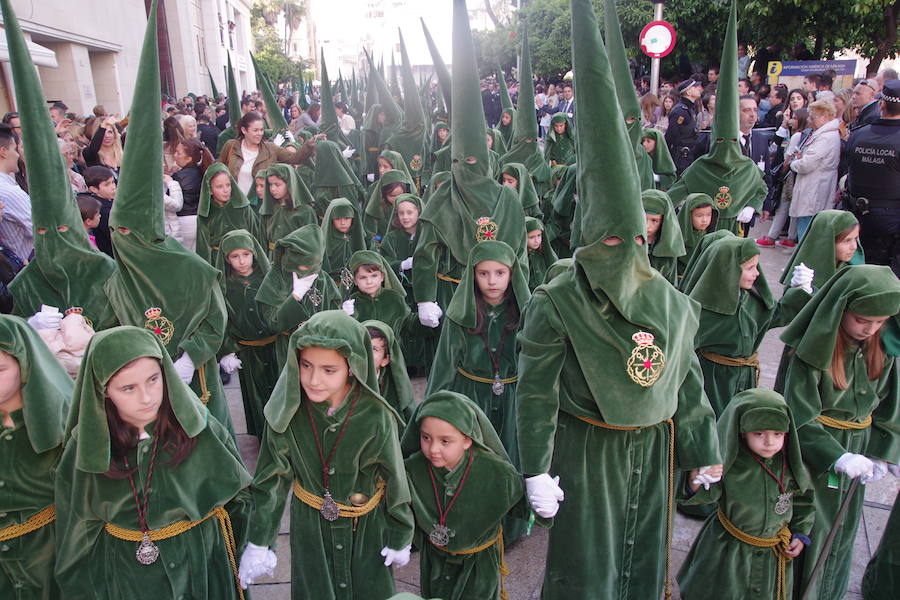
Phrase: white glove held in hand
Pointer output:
(302, 285)
(230, 363)
(370, 177)
(406, 264)
(429, 314)
(256, 561)
(855, 465)
(705, 479)
(398, 558)
(879, 471)
(544, 494)
(802, 278)
(184, 366)
(745, 215)
(289, 136)
(45, 320)
(349, 306)
(347, 152)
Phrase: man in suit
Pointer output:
(863, 100)
(567, 102)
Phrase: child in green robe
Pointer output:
(287, 204)
(663, 166)
(516, 176)
(399, 244)
(765, 492)
(332, 439)
(377, 293)
(344, 235)
(845, 395)
(453, 454)
(696, 218)
(293, 290)
(35, 392)
(540, 254)
(148, 479)
(249, 343)
(222, 208)
(381, 203)
(390, 369)
(664, 243)
(559, 148)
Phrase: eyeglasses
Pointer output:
(869, 84)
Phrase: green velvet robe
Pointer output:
(219, 222)
(93, 565)
(538, 262)
(26, 562)
(388, 307)
(608, 539)
(340, 560)
(881, 579)
(259, 369)
(284, 220)
(473, 520)
(810, 392)
(719, 561)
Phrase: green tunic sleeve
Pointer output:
(884, 442)
(425, 263)
(271, 484)
(696, 441)
(206, 339)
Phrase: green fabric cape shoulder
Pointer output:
(669, 242)
(540, 260)
(66, 271)
(215, 221)
(816, 249)
(714, 280)
(528, 196)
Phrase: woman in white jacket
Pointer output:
(816, 166)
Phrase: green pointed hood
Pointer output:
(410, 138)
(392, 112)
(505, 98)
(467, 123)
(609, 198)
(724, 166)
(328, 122)
(275, 115)
(395, 80)
(139, 196)
(371, 91)
(212, 84)
(668, 238)
(370, 257)
(526, 124)
(661, 159)
(237, 199)
(758, 409)
(714, 278)
(46, 387)
(302, 247)
(304, 104)
(107, 352)
(374, 206)
(440, 67)
(333, 330)
(867, 290)
(816, 249)
(66, 271)
(234, 99)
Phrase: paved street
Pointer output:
(526, 558)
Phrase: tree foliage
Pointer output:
(269, 53)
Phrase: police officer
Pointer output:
(681, 136)
(873, 180)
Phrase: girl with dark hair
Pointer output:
(192, 159)
(128, 487)
(287, 204)
(173, 135)
(380, 206)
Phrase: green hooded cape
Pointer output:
(377, 212)
(334, 177)
(747, 495)
(506, 106)
(732, 179)
(816, 249)
(194, 562)
(233, 102)
(528, 196)
(810, 391)
(298, 210)
(215, 221)
(393, 382)
(473, 206)
(159, 284)
(274, 114)
(668, 244)
(33, 445)
(585, 352)
(691, 237)
(540, 260)
(663, 165)
(474, 518)
(339, 247)
(66, 271)
(345, 553)
(559, 149)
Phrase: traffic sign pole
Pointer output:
(654, 62)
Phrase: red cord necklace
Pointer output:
(330, 510)
(440, 534)
(147, 551)
(783, 504)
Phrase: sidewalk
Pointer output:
(526, 558)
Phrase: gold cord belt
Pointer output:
(271, 245)
(468, 375)
(33, 523)
(839, 424)
(216, 248)
(204, 391)
(497, 539)
(670, 491)
(733, 361)
(263, 342)
(779, 545)
(345, 510)
(443, 277)
(373, 148)
(179, 527)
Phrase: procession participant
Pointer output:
(222, 208)
(540, 254)
(516, 176)
(410, 138)
(697, 218)
(559, 146)
(605, 371)
(390, 369)
(507, 124)
(662, 165)
(664, 243)
(343, 232)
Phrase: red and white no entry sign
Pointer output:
(657, 39)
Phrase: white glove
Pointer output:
(705, 479)
(347, 152)
(289, 136)
(879, 471)
(406, 264)
(45, 320)
(745, 215)
(230, 363)
(544, 494)
(398, 558)
(256, 561)
(855, 465)
(349, 306)
(893, 469)
(301, 285)
(429, 314)
(370, 177)
(278, 140)
(184, 366)
(802, 278)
